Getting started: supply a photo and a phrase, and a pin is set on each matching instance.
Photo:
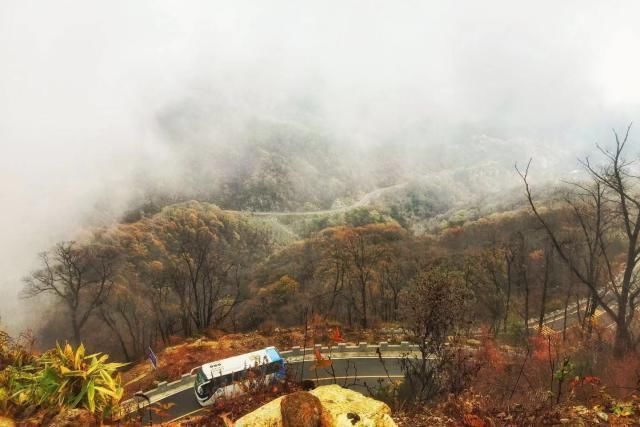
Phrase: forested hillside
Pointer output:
(507, 263)
(193, 267)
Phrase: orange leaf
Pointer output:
(321, 362)
(336, 336)
(471, 420)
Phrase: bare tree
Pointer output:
(333, 265)
(129, 315)
(206, 280)
(80, 276)
(363, 254)
(393, 279)
(483, 273)
(608, 214)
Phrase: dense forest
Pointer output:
(188, 267)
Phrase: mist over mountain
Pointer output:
(280, 106)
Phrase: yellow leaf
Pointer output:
(91, 391)
(79, 355)
(106, 391)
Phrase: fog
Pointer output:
(85, 88)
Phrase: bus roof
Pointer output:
(240, 362)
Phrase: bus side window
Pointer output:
(222, 381)
(226, 380)
(215, 383)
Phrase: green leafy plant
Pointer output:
(62, 377)
(562, 374)
(622, 409)
(16, 372)
(71, 378)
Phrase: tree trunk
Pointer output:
(508, 302)
(123, 345)
(526, 304)
(590, 311)
(363, 291)
(623, 342)
(77, 338)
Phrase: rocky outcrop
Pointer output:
(340, 408)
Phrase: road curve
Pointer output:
(555, 321)
(364, 201)
(354, 373)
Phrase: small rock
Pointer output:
(564, 420)
(604, 417)
(353, 417)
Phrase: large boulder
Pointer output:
(341, 407)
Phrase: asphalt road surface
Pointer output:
(355, 374)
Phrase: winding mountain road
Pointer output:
(359, 373)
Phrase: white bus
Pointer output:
(230, 377)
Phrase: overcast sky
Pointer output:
(83, 83)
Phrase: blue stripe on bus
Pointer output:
(273, 355)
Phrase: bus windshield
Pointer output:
(202, 384)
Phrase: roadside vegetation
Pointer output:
(36, 388)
